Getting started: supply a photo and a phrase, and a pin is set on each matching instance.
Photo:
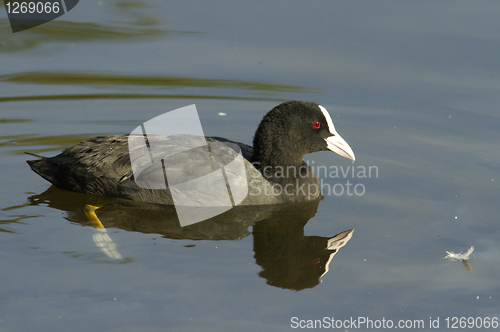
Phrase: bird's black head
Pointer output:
(293, 129)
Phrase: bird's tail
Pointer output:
(34, 155)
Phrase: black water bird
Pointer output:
(275, 170)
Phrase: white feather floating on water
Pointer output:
(459, 257)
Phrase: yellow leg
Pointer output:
(90, 213)
(101, 238)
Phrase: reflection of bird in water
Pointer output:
(288, 258)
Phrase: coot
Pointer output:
(275, 168)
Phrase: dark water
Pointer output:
(413, 88)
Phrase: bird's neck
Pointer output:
(278, 165)
(276, 149)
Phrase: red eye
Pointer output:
(317, 124)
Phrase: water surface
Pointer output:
(413, 88)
